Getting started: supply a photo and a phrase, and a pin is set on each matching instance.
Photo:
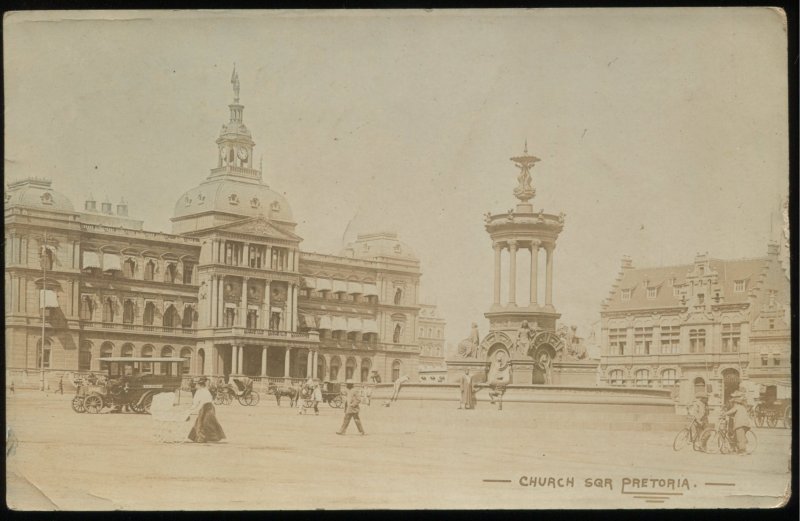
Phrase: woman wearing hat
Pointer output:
(206, 427)
(740, 419)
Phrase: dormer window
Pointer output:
(47, 198)
(701, 298)
(233, 199)
(739, 286)
(397, 248)
(275, 206)
(201, 198)
(626, 295)
(652, 293)
(254, 202)
(187, 200)
(7, 198)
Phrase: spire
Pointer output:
(235, 83)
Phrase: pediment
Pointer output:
(258, 226)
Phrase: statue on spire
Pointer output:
(525, 191)
(235, 83)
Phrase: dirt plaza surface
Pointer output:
(411, 457)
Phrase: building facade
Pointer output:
(709, 326)
(229, 290)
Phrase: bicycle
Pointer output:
(689, 434)
(723, 440)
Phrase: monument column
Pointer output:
(498, 249)
(534, 272)
(548, 295)
(512, 273)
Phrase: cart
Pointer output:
(332, 394)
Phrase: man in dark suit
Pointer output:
(351, 409)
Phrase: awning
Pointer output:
(111, 262)
(325, 322)
(339, 324)
(355, 288)
(369, 326)
(324, 285)
(339, 286)
(90, 260)
(370, 290)
(48, 298)
(309, 282)
(354, 324)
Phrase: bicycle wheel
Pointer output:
(725, 446)
(772, 420)
(709, 441)
(758, 416)
(752, 441)
(681, 440)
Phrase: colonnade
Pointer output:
(216, 307)
(513, 246)
(237, 360)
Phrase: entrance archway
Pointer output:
(730, 383)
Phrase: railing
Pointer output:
(368, 346)
(139, 233)
(265, 332)
(138, 328)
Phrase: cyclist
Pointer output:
(698, 410)
(739, 421)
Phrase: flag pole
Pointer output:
(42, 303)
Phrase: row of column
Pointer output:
(218, 255)
(216, 308)
(533, 246)
(237, 361)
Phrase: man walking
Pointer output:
(351, 409)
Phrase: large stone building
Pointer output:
(230, 290)
(709, 325)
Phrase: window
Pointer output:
(643, 339)
(87, 308)
(108, 310)
(43, 355)
(106, 350)
(676, 291)
(234, 253)
(730, 337)
(188, 317)
(764, 359)
(615, 377)
(668, 377)
(349, 368)
(642, 378)
(739, 286)
(421, 332)
(776, 359)
(697, 341)
(149, 270)
(188, 271)
(230, 317)
(772, 323)
(699, 386)
(85, 357)
(252, 319)
(127, 350)
(129, 268)
(186, 354)
(398, 296)
(127, 312)
(396, 370)
(256, 256)
(438, 333)
(701, 298)
(149, 314)
(275, 321)
(616, 341)
(171, 274)
(652, 293)
(171, 317)
(47, 258)
(366, 365)
(397, 331)
(626, 295)
(670, 339)
(147, 352)
(334, 370)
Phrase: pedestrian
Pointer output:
(740, 421)
(206, 427)
(467, 392)
(351, 409)
(61, 384)
(316, 397)
(397, 385)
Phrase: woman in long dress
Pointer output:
(206, 427)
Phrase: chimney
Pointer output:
(91, 204)
(105, 207)
(122, 208)
(627, 262)
(773, 248)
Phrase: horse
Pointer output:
(292, 392)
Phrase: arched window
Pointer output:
(43, 355)
(349, 368)
(421, 332)
(230, 317)
(186, 354)
(642, 378)
(127, 312)
(397, 331)
(127, 350)
(171, 274)
(366, 365)
(87, 308)
(106, 350)
(201, 361)
(108, 310)
(166, 367)
(147, 352)
(396, 370)
(149, 314)
(615, 377)
(47, 259)
(167, 352)
(85, 357)
(668, 377)
(699, 386)
(334, 371)
(430, 332)
(149, 270)
(321, 367)
(188, 317)
(398, 296)
(129, 268)
(171, 317)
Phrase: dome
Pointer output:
(379, 244)
(37, 193)
(233, 196)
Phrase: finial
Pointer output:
(524, 191)
(235, 83)
(526, 146)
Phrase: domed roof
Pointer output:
(233, 196)
(379, 244)
(37, 193)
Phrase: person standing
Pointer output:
(61, 384)
(316, 397)
(206, 427)
(740, 419)
(397, 385)
(467, 392)
(351, 409)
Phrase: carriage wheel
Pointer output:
(93, 403)
(752, 441)
(337, 402)
(77, 404)
(146, 403)
(254, 398)
(227, 398)
(136, 408)
(758, 416)
(219, 398)
(244, 399)
(772, 420)
(787, 418)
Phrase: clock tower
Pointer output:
(235, 143)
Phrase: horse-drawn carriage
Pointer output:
(332, 394)
(130, 383)
(241, 388)
(774, 405)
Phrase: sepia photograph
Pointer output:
(399, 259)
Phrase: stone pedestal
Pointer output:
(522, 372)
(478, 369)
(577, 372)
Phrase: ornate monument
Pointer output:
(523, 345)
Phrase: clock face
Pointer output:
(242, 153)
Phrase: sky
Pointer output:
(662, 133)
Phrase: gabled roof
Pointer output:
(257, 226)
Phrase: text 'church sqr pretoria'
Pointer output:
(230, 291)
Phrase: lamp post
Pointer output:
(42, 303)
